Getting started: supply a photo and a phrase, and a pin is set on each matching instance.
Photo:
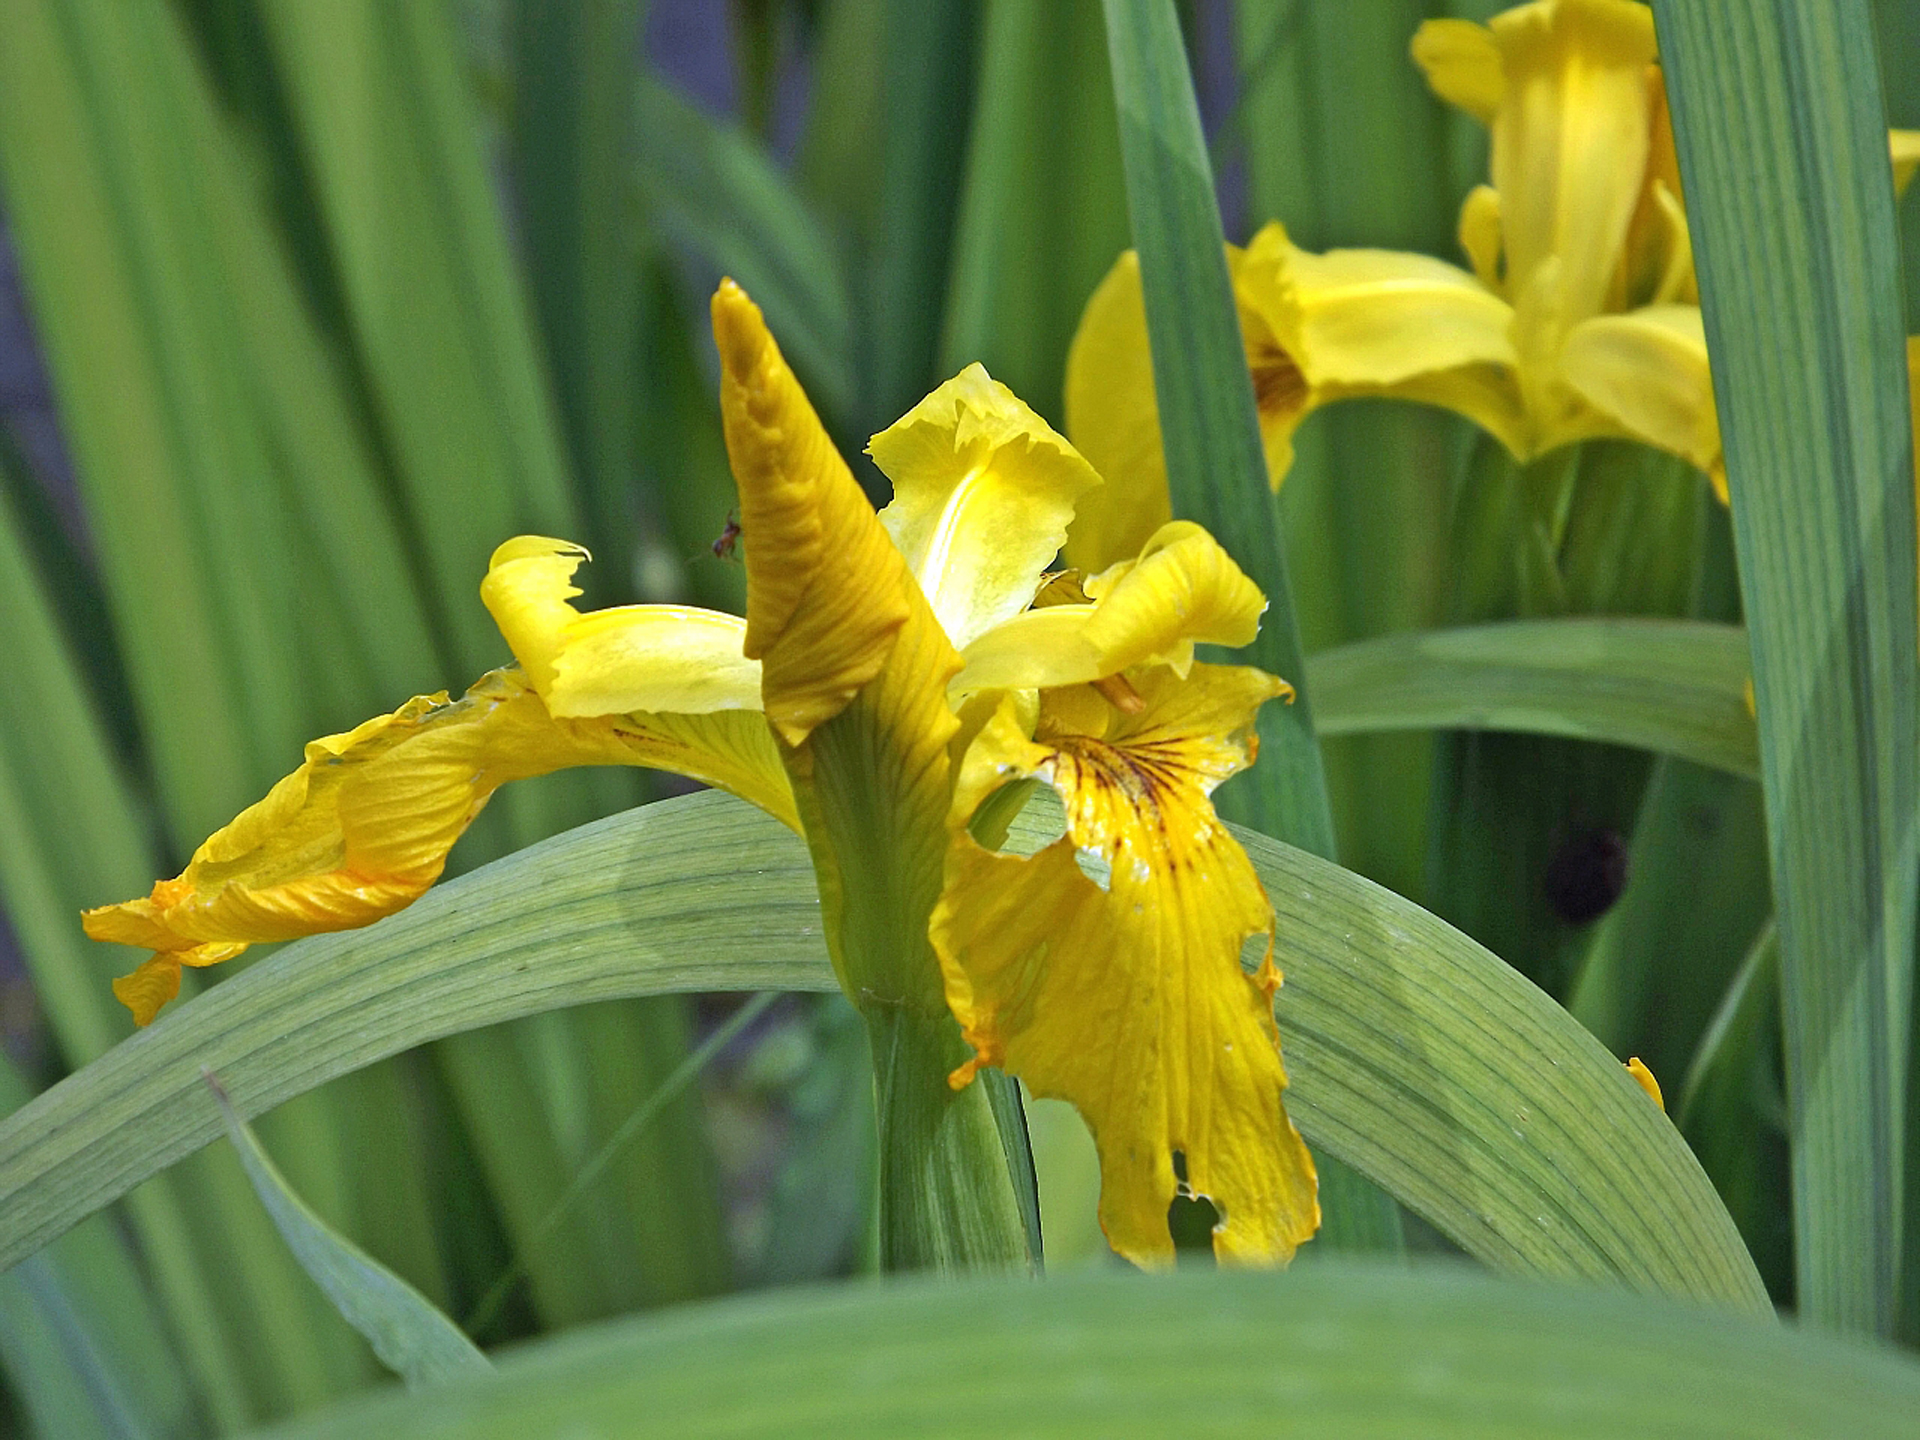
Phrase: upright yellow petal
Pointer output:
(1125, 995)
(1462, 65)
(619, 660)
(1646, 373)
(983, 490)
(856, 670)
(826, 591)
(1570, 145)
(363, 827)
(1113, 418)
(1183, 588)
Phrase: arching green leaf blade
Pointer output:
(410, 1336)
(1416, 1056)
(1336, 1349)
(1675, 686)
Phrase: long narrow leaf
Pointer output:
(1777, 113)
(1673, 686)
(1416, 1056)
(1348, 1350)
(1215, 465)
(412, 1339)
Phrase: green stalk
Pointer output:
(948, 1201)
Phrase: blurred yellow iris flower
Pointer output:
(893, 674)
(1579, 318)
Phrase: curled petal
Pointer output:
(983, 490)
(826, 590)
(1646, 372)
(1462, 65)
(1182, 589)
(1126, 996)
(611, 662)
(363, 827)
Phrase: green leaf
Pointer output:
(1782, 139)
(717, 192)
(1673, 686)
(412, 1339)
(85, 1348)
(1416, 1056)
(1732, 1108)
(388, 133)
(579, 222)
(1215, 465)
(1351, 1350)
(1039, 224)
(927, 91)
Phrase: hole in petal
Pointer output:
(1095, 867)
(1191, 1219)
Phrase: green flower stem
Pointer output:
(948, 1200)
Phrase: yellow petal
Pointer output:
(1479, 234)
(1183, 588)
(1462, 65)
(151, 986)
(1913, 399)
(608, 662)
(1905, 148)
(826, 590)
(1127, 998)
(1646, 373)
(855, 672)
(1641, 1074)
(1113, 418)
(1384, 323)
(363, 827)
(983, 490)
(1570, 146)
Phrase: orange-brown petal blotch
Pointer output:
(1127, 997)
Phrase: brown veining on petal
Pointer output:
(1279, 389)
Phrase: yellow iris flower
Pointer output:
(894, 673)
(1579, 318)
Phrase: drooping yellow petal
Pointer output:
(983, 490)
(825, 591)
(363, 827)
(1462, 65)
(1570, 145)
(1646, 373)
(1127, 997)
(1113, 418)
(1183, 588)
(1317, 328)
(866, 746)
(616, 661)
(1383, 323)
